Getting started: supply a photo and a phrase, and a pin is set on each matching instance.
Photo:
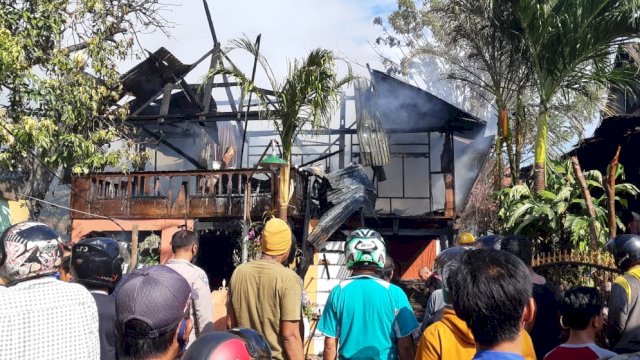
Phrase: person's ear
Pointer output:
(597, 322)
(529, 313)
(194, 249)
(182, 335)
(188, 330)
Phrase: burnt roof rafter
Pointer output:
(154, 80)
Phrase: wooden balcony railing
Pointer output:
(173, 194)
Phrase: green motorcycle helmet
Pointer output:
(365, 248)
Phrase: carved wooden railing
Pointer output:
(595, 259)
(173, 194)
(567, 269)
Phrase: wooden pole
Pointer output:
(593, 233)
(134, 248)
(448, 170)
(246, 214)
(611, 192)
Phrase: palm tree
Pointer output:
(570, 45)
(490, 59)
(308, 96)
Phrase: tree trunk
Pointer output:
(611, 192)
(133, 261)
(593, 232)
(540, 181)
(518, 137)
(501, 138)
(37, 186)
(503, 121)
(499, 174)
(283, 192)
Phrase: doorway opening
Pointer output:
(219, 246)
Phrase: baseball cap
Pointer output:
(156, 295)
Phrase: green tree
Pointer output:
(558, 215)
(307, 96)
(468, 37)
(59, 77)
(570, 44)
(472, 42)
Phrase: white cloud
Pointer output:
(289, 28)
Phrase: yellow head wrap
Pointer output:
(276, 237)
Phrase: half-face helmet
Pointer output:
(29, 249)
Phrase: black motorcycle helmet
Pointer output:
(489, 242)
(625, 249)
(96, 262)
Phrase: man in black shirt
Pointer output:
(546, 332)
(96, 263)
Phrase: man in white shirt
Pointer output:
(41, 317)
(185, 245)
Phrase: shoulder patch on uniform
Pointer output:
(624, 283)
(204, 278)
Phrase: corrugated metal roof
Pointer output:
(147, 79)
(372, 139)
(351, 190)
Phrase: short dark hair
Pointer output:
(65, 264)
(520, 246)
(490, 290)
(134, 345)
(579, 306)
(183, 239)
(387, 270)
(95, 234)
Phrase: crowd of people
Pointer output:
(553, 324)
(486, 302)
(75, 303)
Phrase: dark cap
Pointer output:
(156, 295)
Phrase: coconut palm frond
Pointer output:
(245, 44)
(571, 41)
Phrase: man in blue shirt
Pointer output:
(367, 316)
(491, 292)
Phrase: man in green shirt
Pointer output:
(266, 296)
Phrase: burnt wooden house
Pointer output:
(396, 158)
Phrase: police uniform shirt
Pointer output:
(202, 308)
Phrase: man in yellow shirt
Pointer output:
(450, 337)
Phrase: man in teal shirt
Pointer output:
(367, 316)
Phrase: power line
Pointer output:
(57, 177)
(64, 207)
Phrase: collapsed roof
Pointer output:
(396, 107)
(406, 108)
